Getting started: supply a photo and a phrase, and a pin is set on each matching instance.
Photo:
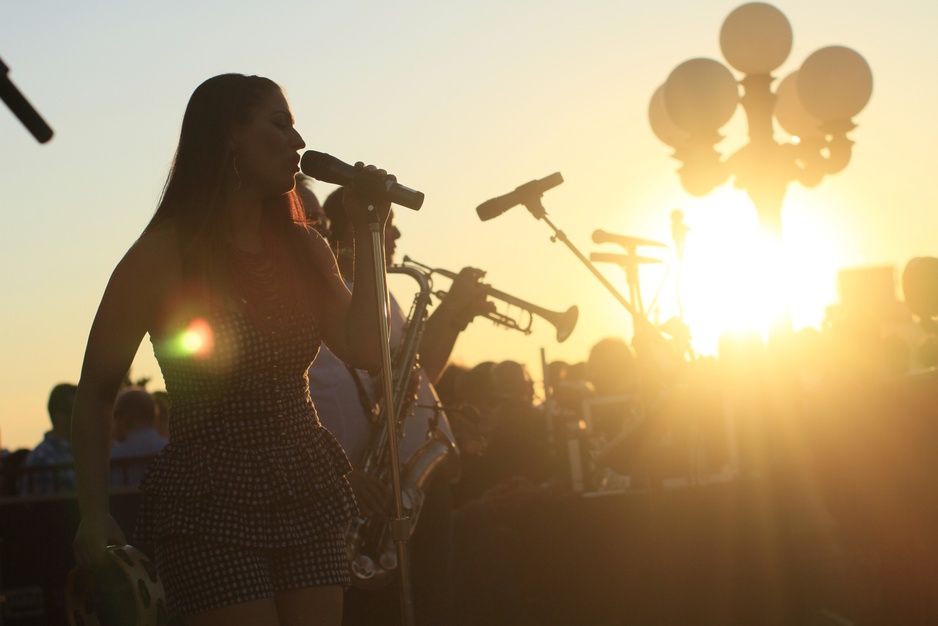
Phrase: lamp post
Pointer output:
(815, 105)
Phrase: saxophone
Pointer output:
(371, 548)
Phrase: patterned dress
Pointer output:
(248, 463)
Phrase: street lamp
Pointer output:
(814, 104)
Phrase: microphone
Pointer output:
(601, 236)
(21, 107)
(522, 195)
(329, 169)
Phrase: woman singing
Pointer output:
(247, 506)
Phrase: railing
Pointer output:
(51, 480)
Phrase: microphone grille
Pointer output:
(318, 165)
(492, 208)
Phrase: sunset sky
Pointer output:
(463, 101)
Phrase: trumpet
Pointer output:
(564, 322)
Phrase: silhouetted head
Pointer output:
(449, 386)
(134, 409)
(557, 372)
(512, 382)
(237, 136)
(338, 220)
(611, 366)
(312, 208)
(60, 406)
(478, 386)
(342, 235)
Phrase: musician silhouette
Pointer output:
(343, 398)
(55, 450)
(516, 455)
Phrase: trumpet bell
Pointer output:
(565, 323)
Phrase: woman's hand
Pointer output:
(356, 335)
(95, 534)
(367, 196)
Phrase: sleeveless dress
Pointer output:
(248, 462)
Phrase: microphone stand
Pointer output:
(536, 208)
(21, 107)
(400, 524)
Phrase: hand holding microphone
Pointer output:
(366, 200)
(370, 183)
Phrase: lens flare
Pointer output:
(197, 340)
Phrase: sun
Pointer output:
(734, 277)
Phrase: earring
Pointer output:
(234, 164)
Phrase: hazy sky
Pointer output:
(464, 101)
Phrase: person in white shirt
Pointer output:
(344, 398)
(137, 439)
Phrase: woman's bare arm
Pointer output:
(128, 310)
(349, 322)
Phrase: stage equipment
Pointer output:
(535, 207)
(329, 169)
(679, 236)
(21, 107)
(373, 560)
(627, 242)
(564, 322)
(679, 233)
(400, 527)
(629, 263)
(641, 324)
(521, 195)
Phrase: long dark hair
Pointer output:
(193, 195)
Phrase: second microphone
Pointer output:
(329, 169)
